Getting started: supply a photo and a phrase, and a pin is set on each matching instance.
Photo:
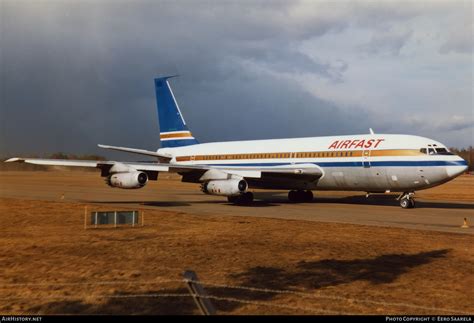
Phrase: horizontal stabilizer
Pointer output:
(162, 157)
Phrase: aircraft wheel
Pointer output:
(233, 199)
(300, 196)
(412, 203)
(246, 198)
(293, 196)
(407, 203)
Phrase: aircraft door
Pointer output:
(366, 158)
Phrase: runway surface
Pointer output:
(169, 193)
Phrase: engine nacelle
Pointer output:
(128, 180)
(228, 187)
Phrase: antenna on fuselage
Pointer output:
(371, 131)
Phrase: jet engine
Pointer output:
(228, 187)
(127, 180)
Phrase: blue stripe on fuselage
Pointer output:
(359, 164)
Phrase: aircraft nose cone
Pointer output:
(454, 171)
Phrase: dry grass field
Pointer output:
(52, 265)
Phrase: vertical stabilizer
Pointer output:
(173, 129)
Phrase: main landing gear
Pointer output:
(245, 198)
(300, 196)
(407, 200)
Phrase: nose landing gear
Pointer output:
(407, 200)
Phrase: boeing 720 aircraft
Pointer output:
(374, 163)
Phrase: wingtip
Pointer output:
(14, 159)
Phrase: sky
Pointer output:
(74, 74)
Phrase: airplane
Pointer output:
(374, 163)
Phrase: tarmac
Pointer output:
(168, 193)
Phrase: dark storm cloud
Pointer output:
(78, 73)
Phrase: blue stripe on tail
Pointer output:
(173, 129)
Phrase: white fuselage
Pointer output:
(372, 162)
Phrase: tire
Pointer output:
(246, 198)
(405, 203)
(233, 199)
(412, 203)
(300, 196)
(293, 196)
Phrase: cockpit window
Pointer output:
(435, 151)
(443, 151)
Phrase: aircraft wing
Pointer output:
(143, 166)
(191, 173)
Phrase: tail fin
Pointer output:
(173, 129)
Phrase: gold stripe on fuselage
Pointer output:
(395, 152)
(303, 155)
